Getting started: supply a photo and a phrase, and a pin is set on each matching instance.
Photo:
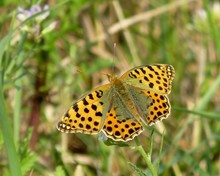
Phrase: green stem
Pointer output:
(213, 27)
(18, 97)
(146, 157)
(13, 160)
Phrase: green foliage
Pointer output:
(138, 170)
(28, 158)
(1, 141)
(59, 171)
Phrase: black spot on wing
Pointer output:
(91, 96)
(98, 114)
(117, 133)
(132, 75)
(75, 108)
(86, 110)
(99, 93)
(151, 85)
(151, 75)
(67, 114)
(94, 107)
(150, 68)
(136, 71)
(85, 102)
(131, 131)
(146, 78)
(143, 71)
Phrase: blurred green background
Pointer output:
(51, 52)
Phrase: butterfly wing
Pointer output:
(88, 114)
(121, 130)
(123, 121)
(150, 82)
(121, 125)
(158, 109)
(147, 107)
(156, 78)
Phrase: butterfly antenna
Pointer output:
(113, 64)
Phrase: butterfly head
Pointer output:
(111, 77)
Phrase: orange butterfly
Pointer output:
(119, 108)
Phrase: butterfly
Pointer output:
(120, 108)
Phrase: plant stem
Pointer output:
(146, 157)
(13, 160)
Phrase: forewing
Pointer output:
(156, 78)
(88, 114)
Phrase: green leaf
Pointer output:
(59, 171)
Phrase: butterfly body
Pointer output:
(119, 108)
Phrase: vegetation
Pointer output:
(53, 51)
